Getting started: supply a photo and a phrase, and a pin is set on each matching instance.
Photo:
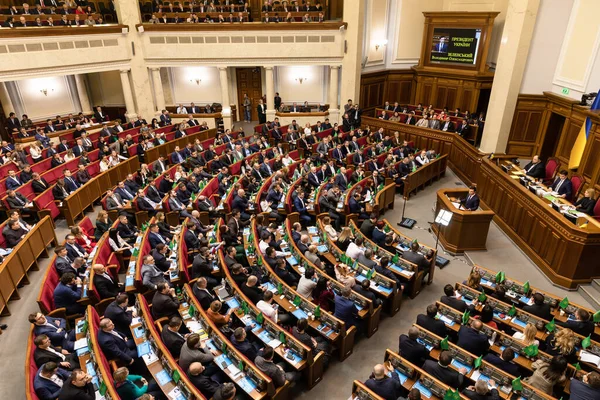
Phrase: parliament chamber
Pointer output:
(259, 199)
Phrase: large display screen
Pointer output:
(455, 46)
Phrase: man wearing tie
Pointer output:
(154, 237)
(471, 202)
(70, 183)
(12, 182)
(313, 178)
(442, 46)
(124, 192)
(341, 180)
(562, 185)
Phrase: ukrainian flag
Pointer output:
(579, 146)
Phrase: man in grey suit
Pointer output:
(151, 275)
(366, 259)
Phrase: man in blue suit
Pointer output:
(338, 155)
(345, 309)
(562, 185)
(119, 347)
(313, 177)
(356, 208)
(125, 192)
(471, 202)
(55, 329)
(176, 157)
(165, 119)
(70, 183)
(12, 182)
(154, 236)
(300, 207)
(241, 203)
(67, 293)
(442, 46)
(265, 168)
(45, 382)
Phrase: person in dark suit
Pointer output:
(504, 362)
(200, 377)
(203, 295)
(412, 350)
(481, 391)
(441, 370)
(116, 345)
(67, 294)
(300, 207)
(45, 352)
(239, 340)
(387, 387)
(451, 300)
(536, 168)
(105, 284)
(119, 314)
(464, 129)
(471, 202)
(45, 382)
(539, 308)
(55, 329)
(261, 109)
(100, 115)
(582, 325)
(160, 254)
(171, 337)
(78, 387)
(164, 302)
(251, 290)
(471, 339)
(430, 323)
(562, 185)
(345, 309)
(38, 184)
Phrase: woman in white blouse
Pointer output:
(287, 160)
(69, 156)
(307, 129)
(113, 159)
(329, 229)
(104, 166)
(180, 173)
(116, 242)
(35, 150)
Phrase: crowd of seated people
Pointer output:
(444, 119)
(192, 160)
(57, 13)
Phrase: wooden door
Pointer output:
(248, 81)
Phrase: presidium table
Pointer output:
(467, 230)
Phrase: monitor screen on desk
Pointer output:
(455, 46)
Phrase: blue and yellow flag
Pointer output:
(579, 146)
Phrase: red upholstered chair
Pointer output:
(45, 203)
(30, 368)
(87, 226)
(552, 166)
(597, 209)
(577, 182)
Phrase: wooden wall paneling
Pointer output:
(533, 126)
(591, 159)
(467, 99)
(567, 140)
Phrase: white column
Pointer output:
(158, 90)
(512, 58)
(86, 106)
(7, 104)
(334, 111)
(354, 38)
(225, 103)
(129, 103)
(270, 93)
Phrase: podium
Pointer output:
(467, 230)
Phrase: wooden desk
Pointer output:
(467, 230)
(567, 253)
(425, 175)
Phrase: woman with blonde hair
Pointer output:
(344, 276)
(180, 173)
(562, 343)
(69, 156)
(343, 241)
(82, 239)
(329, 229)
(103, 224)
(528, 335)
(587, 202)
(474, 281)
(35, 151)
(130, 387)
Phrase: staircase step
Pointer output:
(596, 283)
(591, 293)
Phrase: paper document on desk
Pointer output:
(456, 204)
(233, 370)
(274, 343)
(80, 343)
(586, 356)
(150, 358)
